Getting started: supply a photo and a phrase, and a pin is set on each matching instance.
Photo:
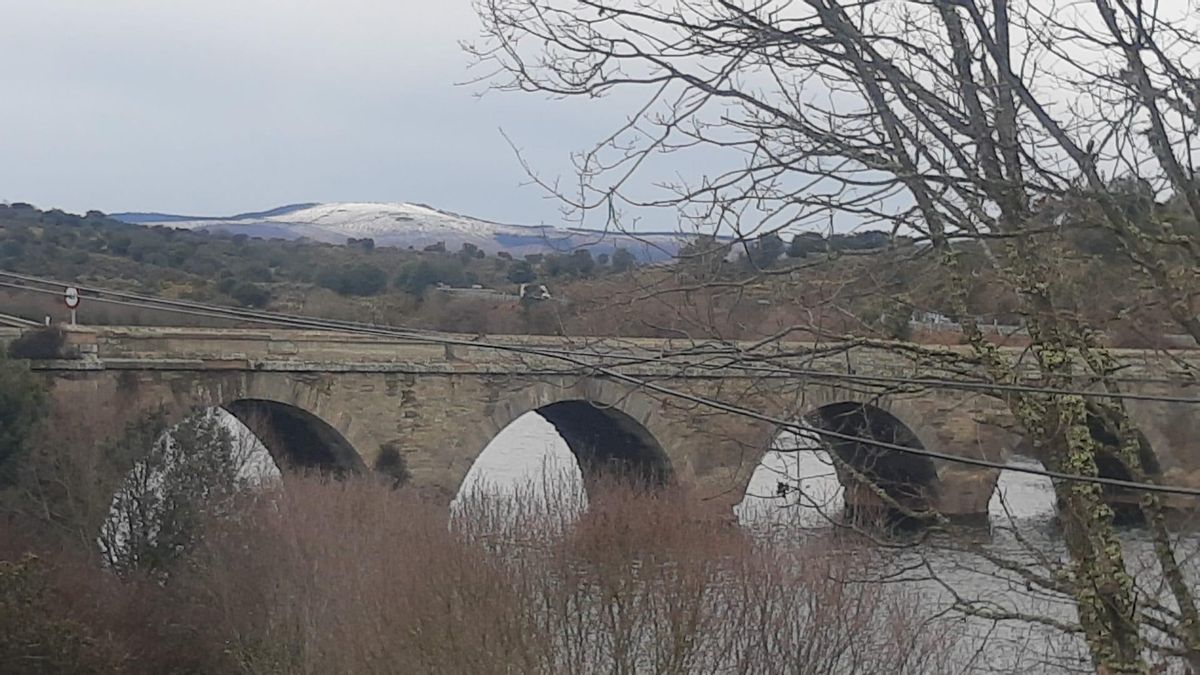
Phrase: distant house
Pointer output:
(934, 318)
(941, 322)
(539, 292)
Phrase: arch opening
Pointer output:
(794, 485)
(1022, 498)
(908, 480)
(555, 455)
(607, 442)
(529, 466)
(197, 466)
(296, 439)
(1124, 503)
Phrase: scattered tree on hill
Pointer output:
(521, 272)
(415, 277)
(470, 252)
(805, 243)
(366, 243)
(623, 260)
(250, 295)
(702, 253)
(581, 263)
(763, 251)
(119, 244)
(354, 279)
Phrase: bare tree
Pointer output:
(990, 132)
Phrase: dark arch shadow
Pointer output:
(1125, 503)
(909, 480)
(609, 443)
(296, 438)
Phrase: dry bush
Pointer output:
(67, 480)
(78, 618)
(354, 577)
(43, 343)
(326, 577)
(317, 576)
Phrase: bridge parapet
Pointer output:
(684, 358)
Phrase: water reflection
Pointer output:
(795, 484)
(1021, 496)
(528, 458)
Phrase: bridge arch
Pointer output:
(609, 430)
(293, 418)
(908, 479)
(298, 420)
(1021, 498)
(607, 441)
(834, 476)
(295, 438)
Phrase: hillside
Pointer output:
(406, 225)
(862, 283)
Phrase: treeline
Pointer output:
(838, 280)
(244, 270)
(770, 249)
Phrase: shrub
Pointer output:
(250, 295)
(35, 639)
(355, 577)
(186, 473)
(22, 400)
(357, 279)
(392, 464)
(320, 576)
(43, 343)
(521, 272)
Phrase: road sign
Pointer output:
(71, 297)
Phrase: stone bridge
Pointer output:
(348, 401)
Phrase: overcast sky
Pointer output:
(213, 107)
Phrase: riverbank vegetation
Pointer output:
(316, 576)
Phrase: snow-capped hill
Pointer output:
(405, 224)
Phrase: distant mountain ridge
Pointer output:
(405, 224)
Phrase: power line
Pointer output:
(775, 369)
(986, 386)
(779, 422)
(920, 452)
